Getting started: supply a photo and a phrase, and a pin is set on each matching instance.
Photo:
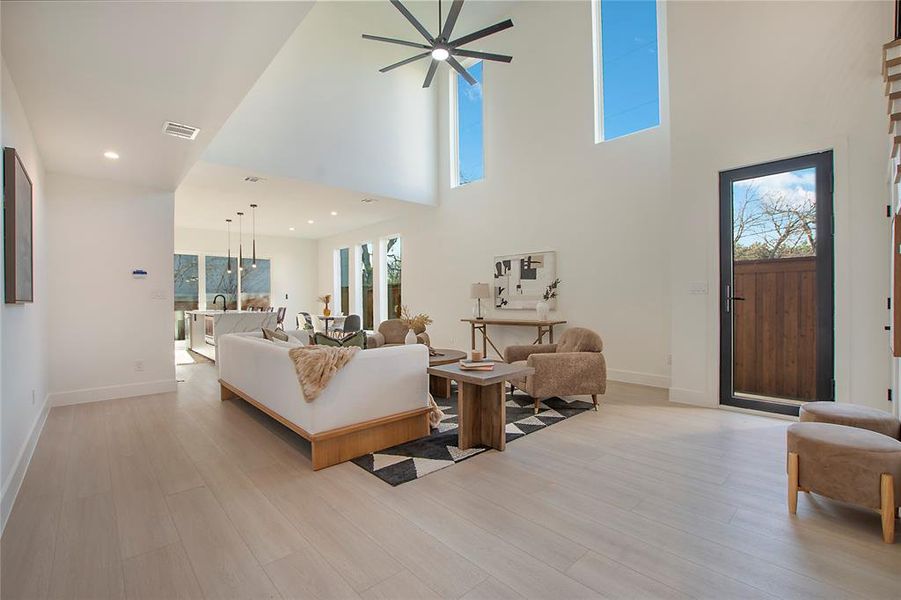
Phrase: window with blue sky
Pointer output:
(628, 94)
(470, 133)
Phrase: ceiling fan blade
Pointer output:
(405, 62)
(379, 38)
(452, 15)
(403, 10)
(482, 55)
(481, 33)
(459, 68)
(428, 76)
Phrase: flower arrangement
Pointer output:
(551, 290)
(326, 299)
(415, 322)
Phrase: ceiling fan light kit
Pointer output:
(442, 48)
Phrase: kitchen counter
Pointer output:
(203, 327)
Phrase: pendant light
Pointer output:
(240, 242)
(228, 264)
(253, 233)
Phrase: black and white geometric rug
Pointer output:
(439, 450)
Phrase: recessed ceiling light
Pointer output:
(290, 229)
(311, 221)
(334, 213)
(111, 155)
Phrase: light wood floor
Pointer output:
(184, 496)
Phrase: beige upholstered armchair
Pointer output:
(574, 366)
(392, 332)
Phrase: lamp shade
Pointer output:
(479, 290)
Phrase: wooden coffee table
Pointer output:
(481, 402)
(440, 387)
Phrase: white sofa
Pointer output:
(378, 400)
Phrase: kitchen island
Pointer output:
(203, 327)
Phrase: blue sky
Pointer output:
(470, 141)
(792, 189)
(629, 66)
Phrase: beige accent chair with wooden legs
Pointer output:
(392, 333)
(574, 366)
(846, 463)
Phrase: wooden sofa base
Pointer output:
(342, 444)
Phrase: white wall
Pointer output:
(758, 81)
(322, 112)
(547, 187)
(23, 334)
(292, 270)
(103, 321)
(634, 220)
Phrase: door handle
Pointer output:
(738, 298)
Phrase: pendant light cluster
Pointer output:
(228, 223)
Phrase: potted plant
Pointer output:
(413, 322)
(326, 299)
(542, 306)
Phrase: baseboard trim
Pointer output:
(14, 482)
(112, 392)
(692, 397)
(636, 377)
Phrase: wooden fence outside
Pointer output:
(775, 328)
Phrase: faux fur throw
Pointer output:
(316, 365)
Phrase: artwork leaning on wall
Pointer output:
(521, 279)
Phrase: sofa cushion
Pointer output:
(274, 334)
(357, 339)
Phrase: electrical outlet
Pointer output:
(669, 360)
(139, 366)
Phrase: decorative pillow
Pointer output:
(357, 338)
(272, 335)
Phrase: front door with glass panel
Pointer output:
(776, 288)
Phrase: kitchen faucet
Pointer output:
(224, 306)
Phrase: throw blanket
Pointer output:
(316, 365)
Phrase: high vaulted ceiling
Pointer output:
(98, 76)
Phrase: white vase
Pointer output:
(410, 337)
(542, 308)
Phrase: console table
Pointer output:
(544, 327)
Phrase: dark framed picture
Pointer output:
(17, 229)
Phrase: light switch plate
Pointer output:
(698, 288)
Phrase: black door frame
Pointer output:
(825, 361)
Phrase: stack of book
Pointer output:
(477, 365)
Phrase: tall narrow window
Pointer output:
(393, 266)
(186, 290)
(366, 283)
(220, 281)
(344, 280)
(255, 284)
(627, 91)
(468, 130)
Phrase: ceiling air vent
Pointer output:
(254, 179)
(369, 200)
(178, 130)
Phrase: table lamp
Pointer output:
(477, 291)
